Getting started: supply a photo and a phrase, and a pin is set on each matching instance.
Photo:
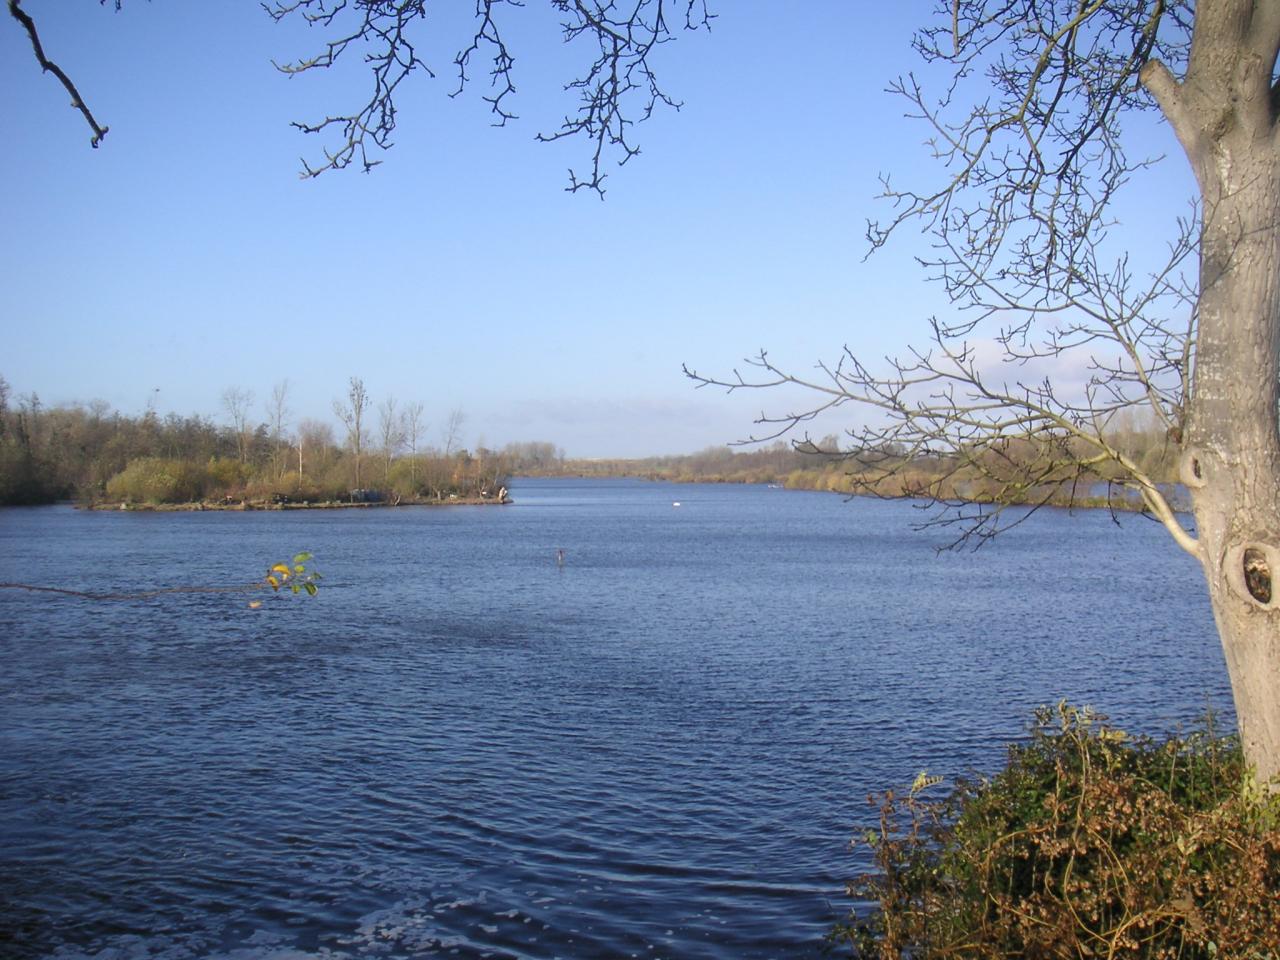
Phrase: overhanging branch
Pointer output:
(615, 90)
(48, 66)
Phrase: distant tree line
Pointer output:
(718, 464)
(91, 453)
(989, 474)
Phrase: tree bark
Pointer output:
(1223, 114)
(1232, 464)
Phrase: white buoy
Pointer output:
(675, 503)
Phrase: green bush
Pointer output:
(305, 490)
(1090, 843)
(158, 480)
(407, 478)
(225, 476)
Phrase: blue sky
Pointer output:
(185, 257)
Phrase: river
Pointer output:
(658, 747)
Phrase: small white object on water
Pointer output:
(675, 503)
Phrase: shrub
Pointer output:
(1090, 843)
(308, 491)
(225, 476)
(407, 478)
(158, 480)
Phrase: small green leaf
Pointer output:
(310, 588)
(301, 557)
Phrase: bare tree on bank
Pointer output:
(238, 403)
(277, 421)
(351, 413)
(413, 427)
(1020, 232)
(453, 429)
(391, 434)
(315, 439)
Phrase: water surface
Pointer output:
(462, 748)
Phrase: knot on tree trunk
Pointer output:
(1192, 469)
(1252, 568)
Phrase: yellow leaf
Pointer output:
(924, 781)
(275, 584)
(282, 569)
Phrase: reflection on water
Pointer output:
(657, 747)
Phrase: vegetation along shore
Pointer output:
(108, 461)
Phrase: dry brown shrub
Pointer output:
(1090, 843)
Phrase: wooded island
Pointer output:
(108, 460)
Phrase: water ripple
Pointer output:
(659, 749)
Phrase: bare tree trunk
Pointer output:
(352, 415)
(277, 415)
(413, 429)
(1232, 456)
(1224, 115)
(237, 403)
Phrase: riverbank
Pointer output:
(247, 505)
(1090, 496)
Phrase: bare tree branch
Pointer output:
(48, 66)
(619, 88)
(1020, 244)
(615, 91)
